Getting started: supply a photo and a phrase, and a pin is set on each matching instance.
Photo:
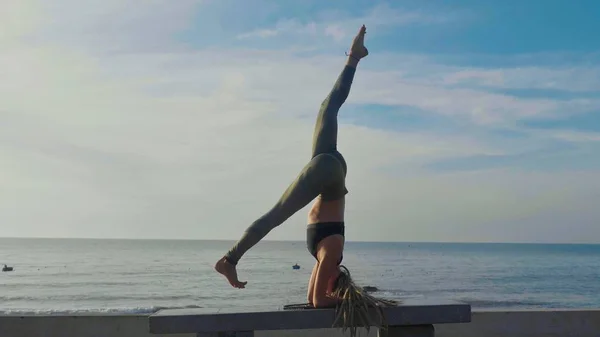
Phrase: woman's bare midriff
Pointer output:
(327, 211)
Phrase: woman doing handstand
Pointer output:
(322, 178)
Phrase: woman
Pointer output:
(322, 178)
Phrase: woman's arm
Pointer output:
(329, 254)
(326, 271)
(311, 284)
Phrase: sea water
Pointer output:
(141, 276)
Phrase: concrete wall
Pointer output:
(77, 326)
(551, 323)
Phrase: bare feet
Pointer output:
(358, 49)
(228, 270)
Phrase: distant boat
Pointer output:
(7, 268)
(370, 289)
(296, 266)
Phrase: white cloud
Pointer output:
(336, 32)
(18, 19)
(181, 143)
(339, 26)
(571, 75)
(290, 26)
(570, 135)
(111, 25)
(261, 33)
(389, 87)
(583, 78)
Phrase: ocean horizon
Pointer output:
(302, 241)
(64, 275)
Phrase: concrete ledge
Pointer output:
(210, 320)
(521, 323)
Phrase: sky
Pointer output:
(470, 121)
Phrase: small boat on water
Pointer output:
(370, 289)
(296, 266)
(7, 268)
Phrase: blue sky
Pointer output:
(457, 27)
(489, 42)
(469, 120)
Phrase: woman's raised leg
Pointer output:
(326, 126)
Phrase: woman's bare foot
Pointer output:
(228, 270)
(358, 49)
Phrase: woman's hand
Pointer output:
(327, 302)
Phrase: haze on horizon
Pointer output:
(470, 122)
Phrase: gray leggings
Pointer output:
(324, 174)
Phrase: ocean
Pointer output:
(141, 276)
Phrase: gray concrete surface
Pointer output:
(548, 323)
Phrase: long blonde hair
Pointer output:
(353, 311)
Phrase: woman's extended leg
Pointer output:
(307, 186)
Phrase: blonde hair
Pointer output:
(353, 311)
